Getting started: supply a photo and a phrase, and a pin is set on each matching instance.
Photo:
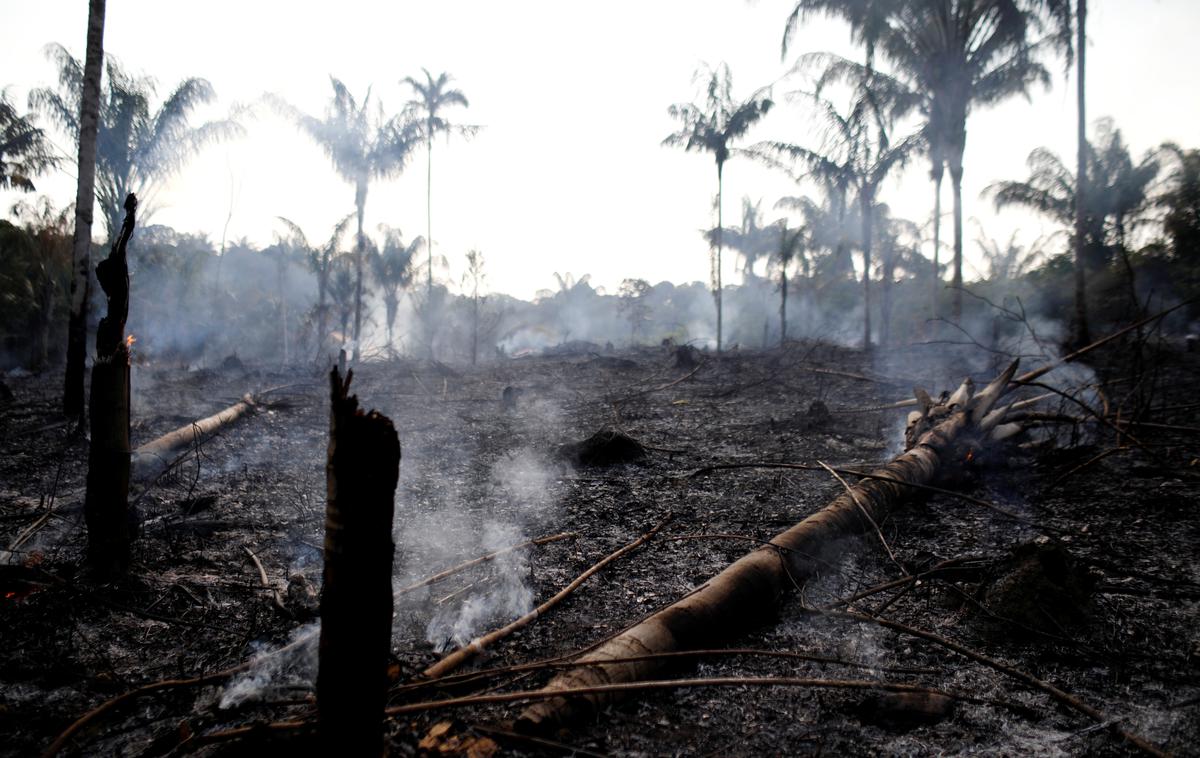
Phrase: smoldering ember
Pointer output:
(800, 460)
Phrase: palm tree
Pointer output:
(24, 150)
(392, 268)
(1115, 196)
(859, 155)
(138, 149)
(320, 262)
(362, 145)
(432, 97)
(713, 127)
(949, 57)
(751, 240)
(790, 244)
(1181, 202)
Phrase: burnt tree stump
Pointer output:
(361, 471)
(110, 525)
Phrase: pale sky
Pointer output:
(568, 173)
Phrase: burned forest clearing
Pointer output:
(1061, 556)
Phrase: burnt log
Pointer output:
(110, 524)
(362, 470)
(151, 459)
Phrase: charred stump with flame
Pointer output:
(362, 470)
(110, 525)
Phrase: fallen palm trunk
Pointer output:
(362, 471)
(155, 456)
(751, 589)
(106, 504)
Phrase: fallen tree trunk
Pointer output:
(155, 456)
(751, 589)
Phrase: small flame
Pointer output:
(129, 340)
(970, 456)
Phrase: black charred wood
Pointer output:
(362, 470)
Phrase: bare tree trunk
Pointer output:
(362, 469)
(106, 504)
(939, 170)
(475, 325)
(359, 252)
(85, 199)
(720, 240)
(956, 176)
(885, 305)
(322, 308)
(1081, 335)
(429, 212)
(783, 287)
(867, 203)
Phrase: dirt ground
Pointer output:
(1116, 625)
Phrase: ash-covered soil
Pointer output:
(1114, 622)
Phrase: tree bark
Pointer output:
(106, 504)
(362, 470)
(85, 199)
(1082, 334)
(752, 589)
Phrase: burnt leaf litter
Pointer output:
(1089, 578)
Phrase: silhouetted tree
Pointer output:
(1181, 202)
(363, 145)
(1115, 197)
(320, 262)
(433, 96)
(392, 268)
(859, 155)
(790, 244)
(633, 295)
(713, 127)
(24, 150)
(948, 57)
(473, 281)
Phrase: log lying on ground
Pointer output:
(106, 509)
(751, 589)
(155, 456)
(362, 471)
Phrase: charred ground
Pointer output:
(1118, 536)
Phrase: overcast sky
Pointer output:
(567, 174)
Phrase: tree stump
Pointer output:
(110, 524)
(362, 469)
